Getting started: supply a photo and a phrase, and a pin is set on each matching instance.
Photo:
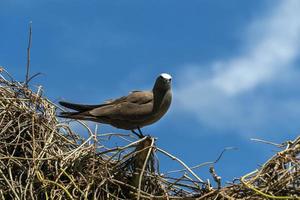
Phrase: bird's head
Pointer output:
(163, 82)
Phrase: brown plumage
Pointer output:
(138, 109)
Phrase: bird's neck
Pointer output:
(158, 96)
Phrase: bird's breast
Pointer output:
(162, 109)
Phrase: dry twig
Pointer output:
(42, 158)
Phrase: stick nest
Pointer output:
(43, 158)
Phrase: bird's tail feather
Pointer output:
(78, 107)
(77, 116)
(67, 114)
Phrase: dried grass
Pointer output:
(42, 158)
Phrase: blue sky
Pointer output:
(234, 66)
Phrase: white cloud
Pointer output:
(227, 96)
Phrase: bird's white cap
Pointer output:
(166, 76)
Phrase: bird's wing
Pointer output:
(139, 97)
(133, 106)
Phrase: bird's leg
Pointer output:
(135, 133)
(140, 131)
(139, 134)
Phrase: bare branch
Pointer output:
(28, 54)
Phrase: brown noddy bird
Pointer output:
(138, 109)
